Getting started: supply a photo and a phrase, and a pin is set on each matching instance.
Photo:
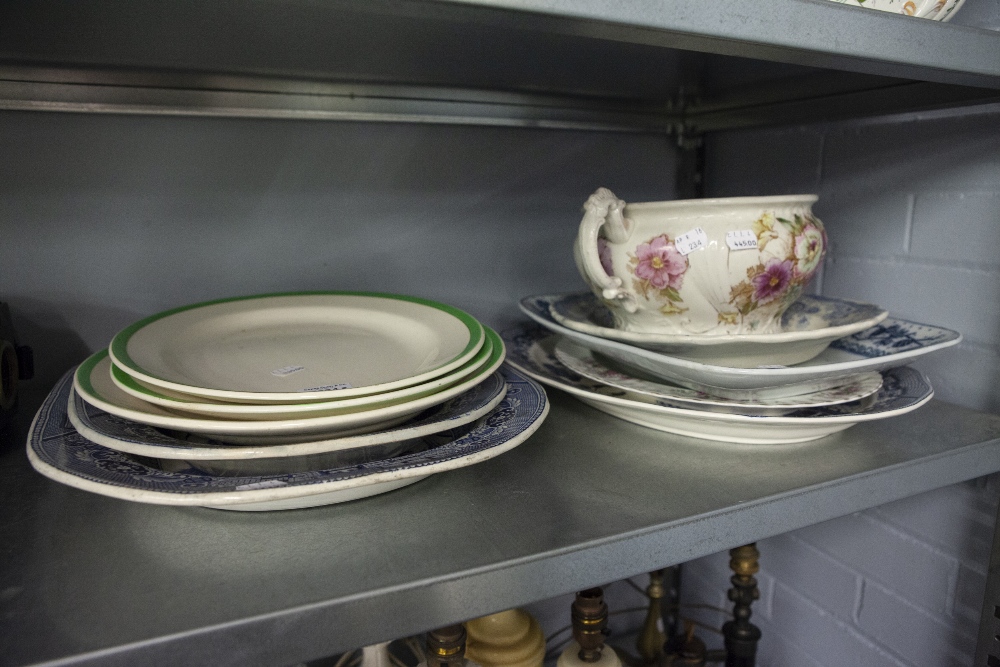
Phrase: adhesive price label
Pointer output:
(286, 370)
(266, 484)
(741, 239)
(689, 242)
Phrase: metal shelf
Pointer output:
(816, 33)
(604, 65)
(589, 499)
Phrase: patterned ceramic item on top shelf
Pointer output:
(890, 344)
(935, 10)
(295, 348)
(808, 327)
(584, 362)
(92, 382)
(700, 266)
(531, 349)
(132, 437)
(57, 451)
(193, 405)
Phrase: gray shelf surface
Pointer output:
(612, 65)
(589, 499)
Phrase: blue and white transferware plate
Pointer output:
(583, 361)
(808, 326)
(531, 349)
(56, 450)
(131, 437)
(889, 344)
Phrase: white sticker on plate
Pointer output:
(689, 242)
(287, 370)
(267, 484)
(741, 239)
(329, 387)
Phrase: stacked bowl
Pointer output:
(284, 400)
(697, 323)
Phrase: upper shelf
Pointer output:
(817, 33)
(622, 65)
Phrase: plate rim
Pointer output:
(716, 401)
(791, 373)
(301, 410)
(250, 496)
(681, 341)
(118, 348)
(253, 452)
(283, 426)
(722, 416)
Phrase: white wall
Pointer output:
(912, 208)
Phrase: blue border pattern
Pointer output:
(126, 430)
(902, 387)
(891, 336)
(55, 442)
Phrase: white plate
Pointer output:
(134, 438)
(297, 347)
(188, 405)
(57, 451)
(92, 382)
(808, 327)
(531, 350)
(583, 361)
(890, 344)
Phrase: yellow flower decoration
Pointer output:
(763, 227)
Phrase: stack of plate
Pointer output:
(284, 400)
(835, 364)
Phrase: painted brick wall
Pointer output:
(912, 207)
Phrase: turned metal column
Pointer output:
(651, 639)
(740, 634)
(446, 646)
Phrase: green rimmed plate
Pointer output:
(196, 406)
(92, 382)
(297, 347)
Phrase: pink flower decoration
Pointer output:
(660, 263)
(809, 250)
(604, 254)
(773, 281)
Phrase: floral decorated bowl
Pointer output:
(700, 266)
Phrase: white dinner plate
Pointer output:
(190, 405)
(92, 382)
(891, 343)
(808, 327)
(531, 349)
(57, 451)
(142, 440)
(585, 362)
(294, 348)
